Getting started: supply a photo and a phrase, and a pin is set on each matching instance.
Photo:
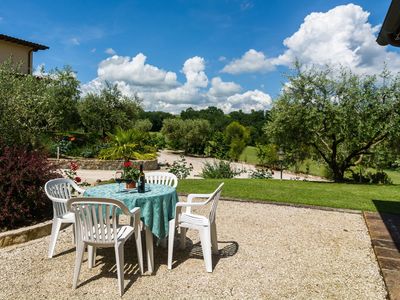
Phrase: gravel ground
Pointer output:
(266, 252)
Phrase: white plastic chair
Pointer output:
(59, 191)
(205, 225)
(163, 178)
(96, 224)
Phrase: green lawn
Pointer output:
(385, 198)
(249, 155)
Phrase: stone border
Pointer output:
(384, 231)
(100, 164)
(25, 234)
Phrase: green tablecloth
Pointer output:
(157, 206)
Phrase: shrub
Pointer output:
(261, 174)
(157, 140)
(219, 169)
(379, 177)
(128, 144)
(217, 147)
(180, 168)
(23, 175)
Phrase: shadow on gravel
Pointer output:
(105, 258)
(389, 212)
(64, 252)
(195, 251)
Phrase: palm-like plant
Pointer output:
(127, 144)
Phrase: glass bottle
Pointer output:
(141, 187)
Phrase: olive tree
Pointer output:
(105, 111)
(342, 116)
(188, 135)
(31, 106)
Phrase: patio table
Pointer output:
(157, 207)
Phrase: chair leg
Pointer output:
(119, 257)
(214, 239)
(80, 248)
(74, 233)
(205, 238)
(91, 256)
(171, 236)
(183, 238)
(149, 249)
(139, 248)
(55, 229)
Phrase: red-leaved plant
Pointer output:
(23, 175)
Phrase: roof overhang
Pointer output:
(390, 31)
(35, 47)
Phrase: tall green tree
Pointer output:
(237, 136)
(215, 116)
(107, 110)
(342, 116)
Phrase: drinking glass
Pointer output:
(118, 179)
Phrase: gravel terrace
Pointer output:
(266, 252)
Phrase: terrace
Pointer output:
(265, 251)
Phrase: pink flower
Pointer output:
(78, 179)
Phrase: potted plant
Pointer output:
(131, 174)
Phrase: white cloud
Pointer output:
(245, 5)
(135, 71)
(222, 58)
(341, 36)
(247, 101)
(220, 88)
(39, 70)
(160, 89)
(93, 50)
(252, 61)
(74, 41)
(193, 68)
(110, 51)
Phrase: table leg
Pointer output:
(149, 250)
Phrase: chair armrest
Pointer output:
(188, 204)
(190, 197)
(133, 212)
(79, 189)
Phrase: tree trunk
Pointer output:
(338, 174)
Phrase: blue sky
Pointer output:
(176, 54)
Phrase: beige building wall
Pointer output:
(18, 53)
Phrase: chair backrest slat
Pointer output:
(97, 218)
(101, 220)
(163, 178)
(59, 191)
(215, 198)
(108, 229)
